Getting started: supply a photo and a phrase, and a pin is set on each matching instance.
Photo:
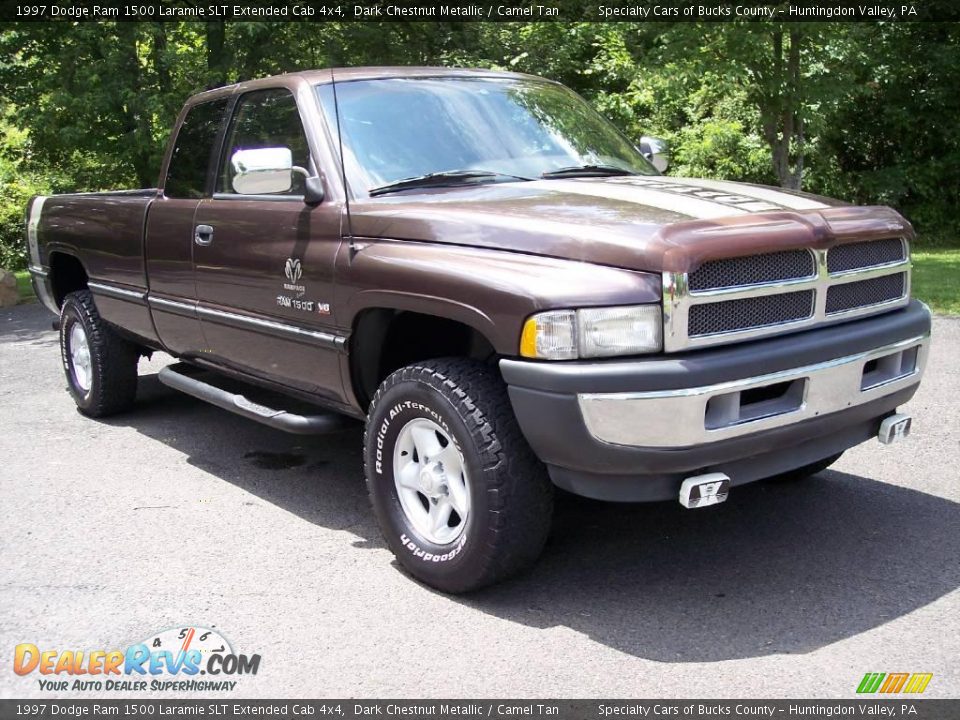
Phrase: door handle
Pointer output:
(203, 235)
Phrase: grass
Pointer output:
(24, 287)
(936, 279)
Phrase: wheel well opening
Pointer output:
(385, 340)
(66, 276)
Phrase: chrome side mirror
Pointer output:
(656, 151)
(262, 171)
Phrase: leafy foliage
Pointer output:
(17, 185)
(866, 112)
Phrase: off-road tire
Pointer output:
(802, 473)
(511, 495)
(113, 360)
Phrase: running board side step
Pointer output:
(240, 405)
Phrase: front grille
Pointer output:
(860, 255)
(731, 299)
(862, 293)
(753, 270)
(748, 313)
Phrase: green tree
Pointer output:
(864, 111)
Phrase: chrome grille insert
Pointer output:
(864, 293)
(860, 255)
(753, 270)
(754, 312)
(734, 299)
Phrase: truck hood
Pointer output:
(652, 224)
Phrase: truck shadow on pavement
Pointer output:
(778, 569)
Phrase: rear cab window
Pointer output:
(194, 150)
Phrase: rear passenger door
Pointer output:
(169, 241)
(264, 271)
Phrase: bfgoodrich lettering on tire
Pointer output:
(461, 499)
(101, 366)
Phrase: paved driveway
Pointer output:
(181, 514)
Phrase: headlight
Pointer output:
(592, 332)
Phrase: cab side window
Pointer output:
(194, 150)
(265, 119)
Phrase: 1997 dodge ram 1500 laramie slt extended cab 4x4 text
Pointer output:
(501, 285)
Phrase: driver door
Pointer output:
(264, 263)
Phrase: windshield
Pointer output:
(396, 129)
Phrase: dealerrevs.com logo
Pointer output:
(179, 659)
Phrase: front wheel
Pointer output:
(101, 366)
(460, 497)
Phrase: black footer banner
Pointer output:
(478, 709)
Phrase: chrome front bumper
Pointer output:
(695, 416)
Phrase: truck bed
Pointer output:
(103, 230)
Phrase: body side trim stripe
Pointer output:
(336, 342)
(33, 228)
(172, 306)
(117, 292)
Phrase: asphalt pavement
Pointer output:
(179, 514)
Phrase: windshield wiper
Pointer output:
(587, 171)
(442, 179)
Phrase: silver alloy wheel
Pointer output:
(81, 366)
(431, 481)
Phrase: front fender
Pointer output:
(489, 290)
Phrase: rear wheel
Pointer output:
(801, 473)
(100, 365)
(460, 497)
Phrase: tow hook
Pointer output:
(703, 490)
(894, 428)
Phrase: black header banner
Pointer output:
(868, 708)
(479, 10)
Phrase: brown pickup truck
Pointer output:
(501, 285)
